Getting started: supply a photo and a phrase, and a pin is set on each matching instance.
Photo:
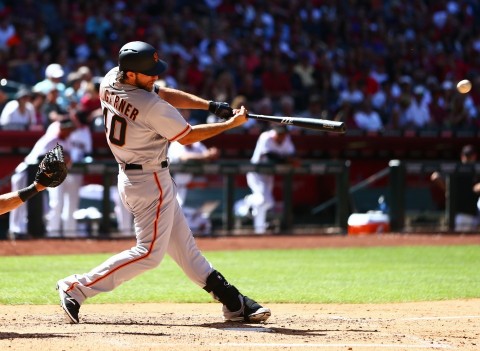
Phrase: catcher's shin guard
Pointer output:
(222, 291)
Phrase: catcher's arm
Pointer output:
(12, 200)
(51, 172)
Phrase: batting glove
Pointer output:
(220, 109)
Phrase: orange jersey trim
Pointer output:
(182, 133)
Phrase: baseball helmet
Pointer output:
(140, 57)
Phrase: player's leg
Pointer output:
(73, 183)
(18, 217)
(153, 212)
(261, 199)
(54, 215)
(184, 251)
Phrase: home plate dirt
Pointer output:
(442, 325)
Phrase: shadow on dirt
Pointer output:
(8, 335)
(229, 326)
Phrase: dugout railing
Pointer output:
(397, 179)
(228, 170)
(399, 172)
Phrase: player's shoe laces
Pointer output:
(70, 306)
(250, 312)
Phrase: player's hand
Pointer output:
(220, 109)
(239, 117)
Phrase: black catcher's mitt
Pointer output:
(52, 171)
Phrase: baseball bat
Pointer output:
(323, 125)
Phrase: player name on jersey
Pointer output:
(120, 105)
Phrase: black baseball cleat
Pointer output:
(70, 306)
(250, 312)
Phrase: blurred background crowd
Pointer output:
(377, 65)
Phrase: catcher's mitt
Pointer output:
(52, 171)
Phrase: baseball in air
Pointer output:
(464, 86)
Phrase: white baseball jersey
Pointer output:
(139, 126)
(266, 144)
(261, 200)
(64, 200)
(18, 217)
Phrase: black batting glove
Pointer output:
(220, 109)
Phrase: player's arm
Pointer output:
(184, 100)
(205, 131)
(51, 172)
(14, 199)
(181, 99)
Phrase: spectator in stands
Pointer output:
(467, 188)
(345, 114)
(86, 78)
(57, 132)
(19, 113)
(276, 80)
(352, 94)
(90, 101)
(417, 114)
(460, 113)
(4, 99)
(53, 80)
(50, 108)
(437, 109)
(38, 100)
(384, 102)
(304, 77)
(366, 118)
(7, 31)
(273, 146)
(73, 92)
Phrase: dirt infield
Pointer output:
(450, 325)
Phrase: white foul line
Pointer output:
(435, 318)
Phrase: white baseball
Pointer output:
(464, 86)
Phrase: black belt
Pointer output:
(132, 166)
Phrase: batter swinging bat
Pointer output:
(323, 125)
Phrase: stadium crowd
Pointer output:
(376, 65)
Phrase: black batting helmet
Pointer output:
(140, 57)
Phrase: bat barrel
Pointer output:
(324, 125)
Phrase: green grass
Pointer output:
(349, 275)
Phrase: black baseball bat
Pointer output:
(323, 125)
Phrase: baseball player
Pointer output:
(141, 120)
(64, 200)
(57, 132)
(275, 146)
